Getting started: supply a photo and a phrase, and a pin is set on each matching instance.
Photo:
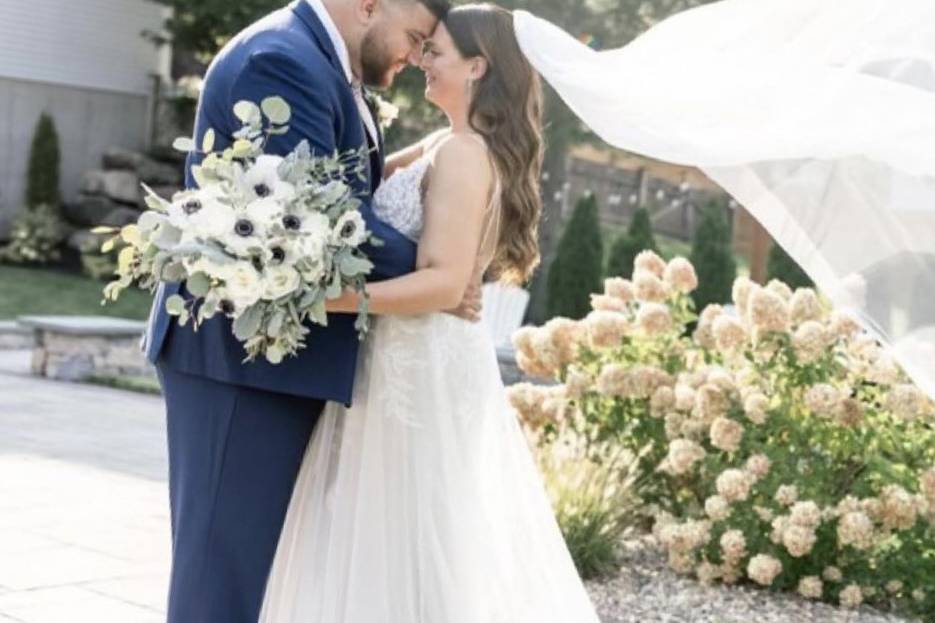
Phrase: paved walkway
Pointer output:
(84, 525)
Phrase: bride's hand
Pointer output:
(471, 305)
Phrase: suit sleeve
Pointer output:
(317, 116)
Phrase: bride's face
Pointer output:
(447, 73)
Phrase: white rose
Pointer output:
(280, 281)
(243, 285)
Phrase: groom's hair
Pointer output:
(439, 8)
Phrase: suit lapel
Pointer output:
(304, 12)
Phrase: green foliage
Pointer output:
(42, 176)
(576, 271)
(35, 237)
(626, 247)
(782, 267)
(713, 258)
(594, 504)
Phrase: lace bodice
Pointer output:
(398, 200)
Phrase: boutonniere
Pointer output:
(386, 112)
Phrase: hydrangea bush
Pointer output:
(777, 442)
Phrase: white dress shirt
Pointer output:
(344, 56)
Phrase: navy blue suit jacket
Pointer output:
(288, 54)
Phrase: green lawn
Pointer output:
(46, 291)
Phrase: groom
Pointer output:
(237, 432)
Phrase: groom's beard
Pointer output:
(376, 62)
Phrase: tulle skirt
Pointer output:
(422, 503)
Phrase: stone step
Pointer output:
(77, 348)
(14, 336)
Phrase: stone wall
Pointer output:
(76, 348)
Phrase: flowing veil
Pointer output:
(818, 116)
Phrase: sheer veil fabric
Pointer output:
(817, 116)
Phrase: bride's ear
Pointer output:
(479, 68)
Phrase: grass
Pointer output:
(25, 291)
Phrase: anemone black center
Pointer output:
(292, 222)
(243, 227)
(279, 255)
(191, 206)
(227, 307)
(348, 230)
(261, 190)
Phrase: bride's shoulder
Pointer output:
(462, 153)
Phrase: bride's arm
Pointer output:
(455, 205)
(407, 155)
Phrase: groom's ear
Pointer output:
(366, 9)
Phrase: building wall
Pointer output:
(84, 43)
(84, 62)
(88, 122)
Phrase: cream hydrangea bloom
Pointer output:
(763, 569)
(811, 587)
(855, 529)
(726, 434)
(717, 508)
(620, 289)
(649, 287)
(650, 262)
(851, 596)
(680, 275)
(734, 485)
(682, 456)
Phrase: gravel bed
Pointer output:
(646, 591)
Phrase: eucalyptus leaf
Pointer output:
(183, 143)
(199, 176)
(274, 328)
(335, 287)
(318, 313)
(207, 142)
(277, 110)
(198, 284)
(274, 354)
(248, 323)
(247, 112)
(175, 305)
(173, 272)
(352, 266)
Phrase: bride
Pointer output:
(422, 503)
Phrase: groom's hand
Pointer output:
(471, 306)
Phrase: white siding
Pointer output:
(84, 43)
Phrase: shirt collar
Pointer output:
(336, 39)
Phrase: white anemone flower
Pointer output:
(262, 181)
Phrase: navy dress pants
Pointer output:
(234, 455)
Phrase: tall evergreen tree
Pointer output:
(577, 269)
(626, 247)
(42, 176)
(780, 266)
(713, 258)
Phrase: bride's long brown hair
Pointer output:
(506, 110)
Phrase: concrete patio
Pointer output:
(84, 522)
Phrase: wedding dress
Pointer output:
(422, 502)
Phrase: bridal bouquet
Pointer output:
(263, 240)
